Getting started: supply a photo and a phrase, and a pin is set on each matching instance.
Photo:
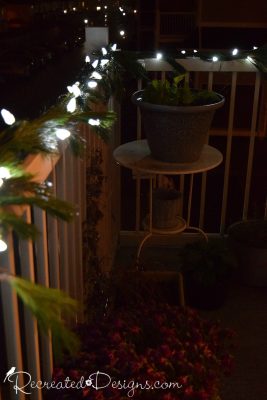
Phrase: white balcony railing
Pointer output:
(55, 259)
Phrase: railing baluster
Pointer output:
(12, 328)
(138, 179)
(228, 152)
(62, 226)
(251, 144)
(78, 231)
(70, 197)
(53, 243)
(41, 247)
(204, 175)
(31, 328)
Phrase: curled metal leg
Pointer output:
(146, 237)
(194, 228)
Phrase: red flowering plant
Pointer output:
(152, 351)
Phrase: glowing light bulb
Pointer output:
(104, 62)
(135, 11)
(159, 56)
(124, 13)
(114, 47)
(71, 106)
(122, 33)
(195, 51)
(215, 58)
(92, 84)
(105, 7)
(8, 117)
(4, 173)
(255, 47)
(74, 89)
(234, 52)
(98, 8)
(3, 245)
(104, 51)
(95, 63)
(121, 9)
(87, 59)
(96, 75)
(183, 51)
(74, 9)
(86, 21)
(65, 11)
(94, 122)
(62, 134)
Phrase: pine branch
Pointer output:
(17, 224)
(23, 191)
(51, 204)
(48, 306)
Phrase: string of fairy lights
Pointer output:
(101, 69)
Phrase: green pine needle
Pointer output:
(17, 224)
(48, 306)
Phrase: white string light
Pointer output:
(114, 47)
(95, 63)
(122, 33)
(159, 56)
(98, 8)
(4, 173)
(215, 58)
(3, 246)
(104, 51)
(92, 84)
(183, 51)
(94, 122)
(235, 52)
(65, 11)
(86, 21)
(71, 106)
(74, 89)
(255, 47)
(8, 117)
(87, 59)
(104, 62)
(62, 133)
(195, 51)
(96, 75)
